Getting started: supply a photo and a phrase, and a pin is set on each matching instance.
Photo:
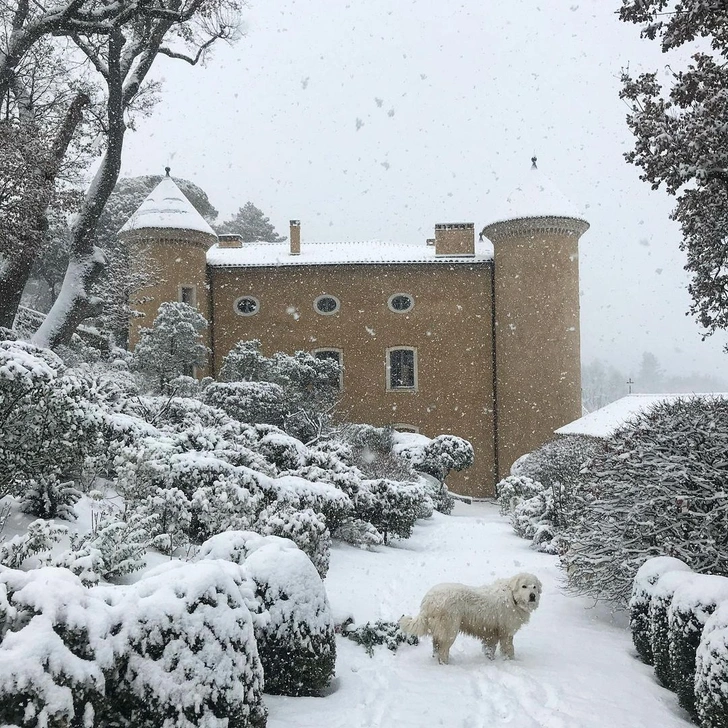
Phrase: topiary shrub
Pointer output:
(657, 612)
(642, 587)
(444, 454)
(306, 528)
(295, 629)
(691, 606)
(711, 671)
(192, 656)
(391, 507)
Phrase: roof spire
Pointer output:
(533, 162)
(167, 170)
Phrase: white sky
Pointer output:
(451, 101)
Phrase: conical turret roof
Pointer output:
(166, 207)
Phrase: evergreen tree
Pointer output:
(172, 346)
(250, 223)
(650, 375)
(681, 139)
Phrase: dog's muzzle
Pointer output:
(532, 598)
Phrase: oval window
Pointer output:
(247, 306)
(400, 302)
(326, 305)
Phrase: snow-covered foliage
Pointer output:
(515, 489)
(657, 615)
(711, 671)
(172, 346)
(373, 451)
(253, 402)
(39, 538)
(691, 606)
(174, 650)
(49, 426)
(390, 506)
(642, 586)
(47, 497)
(443, 454)
(658, 488)
(370, 635)
(252, 225)
(294, 628)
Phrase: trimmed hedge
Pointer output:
(642, 587)
(711, 671)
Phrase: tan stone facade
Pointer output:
(447, 340)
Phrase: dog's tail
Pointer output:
(414, 625)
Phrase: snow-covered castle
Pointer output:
(474, 337)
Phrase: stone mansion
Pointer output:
(478, 337)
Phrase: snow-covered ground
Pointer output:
(575, 666)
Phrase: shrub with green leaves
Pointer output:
(691, 606)
(514, 489)
(372, 634)
(642, 587)
(657, 614)
(711, 671)
(391, 507)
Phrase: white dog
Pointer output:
(492, 613)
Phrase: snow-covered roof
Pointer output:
(537, 196)
(355, 253)
(607, 420)
(167, 207)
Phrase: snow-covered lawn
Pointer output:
(575, 666)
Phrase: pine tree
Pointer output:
(250, 223)
(172, 346)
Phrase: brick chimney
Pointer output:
(295, 237)
(230, 240)
(455, 238)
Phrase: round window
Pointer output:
(400, 302)
(326, 304)
(247, 306)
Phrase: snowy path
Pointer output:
(574, 668)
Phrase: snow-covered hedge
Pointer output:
(514, 489)
(294, 628)
(711, 671)
(174, 650)
(657, 614)
(639, 604)
(691, 606)
(654, 489)
(251, 402)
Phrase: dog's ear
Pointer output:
(515, 582)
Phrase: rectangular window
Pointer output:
(334, 355)
(402, 368)
(187, 295)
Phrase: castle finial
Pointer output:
(167, 170)
(533, 162)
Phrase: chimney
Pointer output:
(295, 237)
(230, 240)
(455, 238)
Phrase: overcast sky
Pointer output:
(377, 120)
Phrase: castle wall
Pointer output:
(537, 331)
(450, 324)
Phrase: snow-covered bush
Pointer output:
(46, 497)
(169, 512)
(192, 656)
(437, 493)
(358, 533)
(49, 425)
(391, 507)
(294, 629)
(691, 606)
(642, 586)
(113, 548)
(443, 454)
(654, 490)
(711, 671)
(252, 402)
(657, 615)
(372, 450)
(284, 451)
(51, 673)
(534, 519)
(173, 346)
(40, 537)
(306, 528)
(371, 634)
(514, 489)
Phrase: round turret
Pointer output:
(536, 315)
(168, 241)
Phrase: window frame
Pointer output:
(340, 352)
(242, 313)
(187, 287)
(396, 310)
(326, 313)
(415, 369)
